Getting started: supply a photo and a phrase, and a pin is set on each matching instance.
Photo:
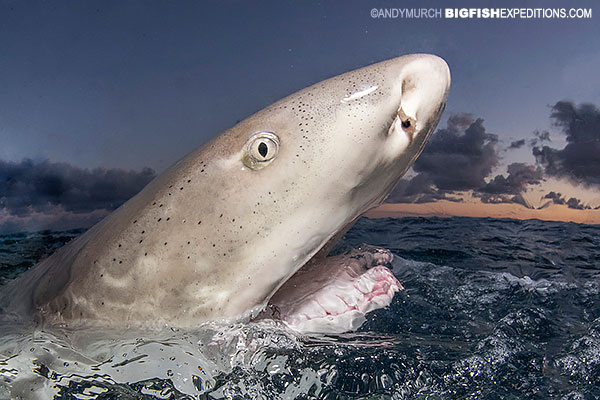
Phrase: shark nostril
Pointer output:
(408, 123)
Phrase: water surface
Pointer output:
(492, 309)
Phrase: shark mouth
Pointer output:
(333, 294)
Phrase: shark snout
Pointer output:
(418, 89)
(424, 82)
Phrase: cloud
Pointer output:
(542, 136)
(539, 138)
(558, 198)
(459, 158)
(579, 160)
(576, 204)
(419, 189)
(519, 177)
(37, 193)
(517, 144)
(492, 198)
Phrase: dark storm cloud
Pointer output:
(492, 198)
(576, 204)
(579, 160)
(543, 136)
(400, 193)
(558, 198)
(517, 144)
(29, 187)
(419, 189)
(459, 156)
(539, 138)
(519, 177)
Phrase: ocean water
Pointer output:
(492, 309)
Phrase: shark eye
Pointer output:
(260, 150)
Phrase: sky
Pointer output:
(107, 93)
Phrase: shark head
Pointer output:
(310, 164)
